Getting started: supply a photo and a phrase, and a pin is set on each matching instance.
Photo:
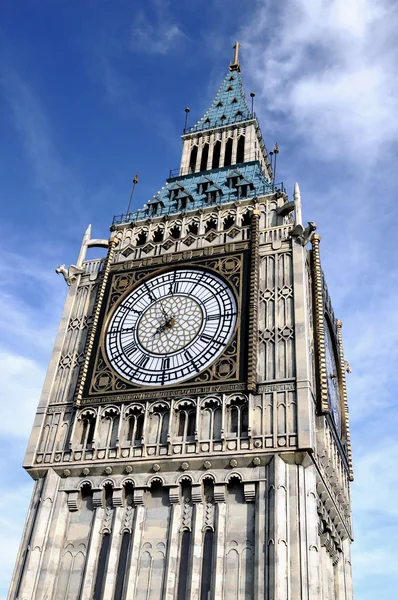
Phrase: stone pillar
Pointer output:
(93, 549)
(223, 144)
(136, 541)
(313, 541)
(221, 519)
(211, 150)
(281, 565)
(36, 544)
(113, 560)
(347, 570)
(173, 543)
(197, 535)
(302, 345)
(199, 156)
(234, 146)
(260, 541)
(52, 556)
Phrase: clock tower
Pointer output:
(192, 438)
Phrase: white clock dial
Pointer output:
(333, 379)
(171, 327)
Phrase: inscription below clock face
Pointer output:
(171, 327)
(333, 379)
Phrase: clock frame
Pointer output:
(227, 370)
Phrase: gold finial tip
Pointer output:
(235, 65)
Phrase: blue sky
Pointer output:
(91, 92)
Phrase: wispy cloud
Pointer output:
(329, 66)
(157, 32)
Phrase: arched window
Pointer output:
(158, 426)
(192, 159)
(186, 422)
(211, 421)
(238, 419)
(141, 238)
(175, 232)
(240, 153)
(87, 431)
(216, 155)
(135, 427)
(228, 152)
(204, 157)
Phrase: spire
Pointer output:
(229, 106)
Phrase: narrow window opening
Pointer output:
(158, 235)
(211, 224)
(228, 153)
(207, 563)
(228, 222)
(191, 423)
(181, 423)
(229, 88)
(216, 155)
(205, 156)
(219, 104)
(91, 429)
(164, 428)
(121, 569)
(192, 159)
(115, 431)
(234, 420)
(84, 432)
(139, 429)
(240, 152)
(234, 101)
(193, 228)
(175, 232)
(141, 238)
(244, 415)
(246, 219)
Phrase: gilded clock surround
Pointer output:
(224, 370)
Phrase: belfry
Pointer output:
(192, 438)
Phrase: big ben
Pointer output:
(192, 438)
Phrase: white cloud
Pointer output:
(329, 67)
(21, 382)
(157, 34)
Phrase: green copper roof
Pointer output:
(229, 106)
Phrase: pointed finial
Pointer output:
(235, 65)
(297, 204)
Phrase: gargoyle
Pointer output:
(303, 235)
(70, 275)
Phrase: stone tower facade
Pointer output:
(192, 438)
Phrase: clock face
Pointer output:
(171, 327)
(333, 379)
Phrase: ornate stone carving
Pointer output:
(71, 274)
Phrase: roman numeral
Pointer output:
(213, 317)
(143, 360)
(130, 348)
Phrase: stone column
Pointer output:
(260, 541)
(136, 541)
(173, 543)
(113, 560)
(211, 150)
(234, 146)
(220, 527)
(93, 548)
(223, 144)
(281, 565)
(313, 541)
(38, 539)
(52, 556)
(302, 345)
(199, 156)
(197, 535)
(347, 570)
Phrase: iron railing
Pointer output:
(150, 211)
(202, 126)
